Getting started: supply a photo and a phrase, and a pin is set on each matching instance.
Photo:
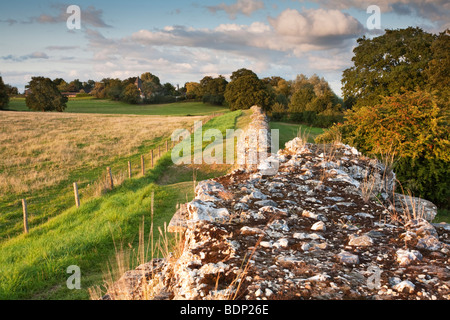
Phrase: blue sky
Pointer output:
(183, 41)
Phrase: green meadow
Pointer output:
(89, 105)
(289, 131)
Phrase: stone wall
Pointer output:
(321, 227)
(257, 143)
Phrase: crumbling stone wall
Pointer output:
(256, 140)
(321, 227)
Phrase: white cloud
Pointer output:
(292, 40)
(246, 7)
(316, 23)
(292, 32)
(436, 11)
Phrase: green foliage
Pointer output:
(242, 73)
(44, 96)
(301, 98)
(4, 97)
(313, 95)
(212, 90)
(386, 65)
(113, 89)
(131, 94)
(438, 70)
(245, 91)
(11, 91)
(193, 90)
(99, 90)
(414, 128)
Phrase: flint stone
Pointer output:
(348, 258)
(404, 287)
(258, 195)
(251, 231)
(199, 210)
(361, 241)
(264, 203)
(319, 226)
(405, 257)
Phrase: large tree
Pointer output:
(4, 98)
(438, 71)
(44, 95)
(131, 94)
(151, 87)
(192, 90)
(213, 90)
(386, 65)
(241, 73)
(114, 89)
(245, 91)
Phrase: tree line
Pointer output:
(302, 100)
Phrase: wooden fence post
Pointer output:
(167, 145)
(110, 178)
(77, 197)
(142, 165)
(151, 158)
(25, 215)
(129, 169)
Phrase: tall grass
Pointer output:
(36, 263)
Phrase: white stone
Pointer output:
(404, 287)
(281, 243)
(265, 244)
(361, 241)
(319, 226)
(258, 195)
(348, 258)
(405, 257)
(251, 231)
(200, 210)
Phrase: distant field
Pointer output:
(289, 131)
(83, 105)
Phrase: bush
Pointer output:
(326, 121)
(414, 128)
(45, 96)
(278, 116)
(83, 95)
(4, 98)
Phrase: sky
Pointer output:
(183, 40)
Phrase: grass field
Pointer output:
(83, 105)
(289, 131)
(44, 153)
(33, 266)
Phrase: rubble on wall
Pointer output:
(323, 227)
